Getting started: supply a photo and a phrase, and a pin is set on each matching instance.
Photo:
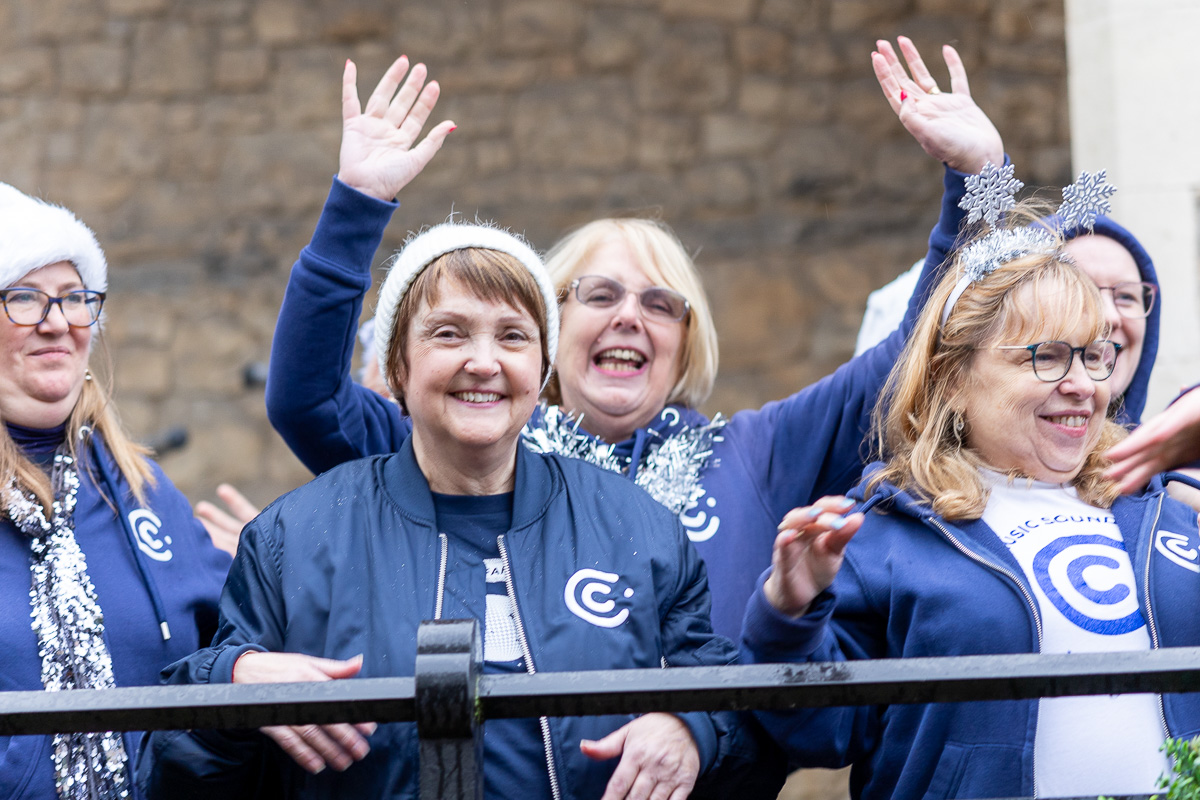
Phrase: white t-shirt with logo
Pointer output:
(1074, 557)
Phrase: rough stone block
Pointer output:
(724, 135)
(135, 7)
(853, 15)
(144, 371)
(616, 38)
(493, 156)
(307, 89)
(26, 69)
(688, 70)
(578, 124)
(760, 97)
(138, 319)
(539, 26)
(242, 69)
(169, 59)
(762, 49)
(795, 16)
(457, 28)
(726, 187)
(663, 141)
(93, 69)
(721, 10)
(280, 22)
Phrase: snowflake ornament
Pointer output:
(990, 194)
(1086, 199)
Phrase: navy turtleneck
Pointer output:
(38, 444)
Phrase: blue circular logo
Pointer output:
(1100, 605)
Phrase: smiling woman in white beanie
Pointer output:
(105, 576)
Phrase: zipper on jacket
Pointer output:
(547, 743)
(1037, 616)
(444, 543)
(1150, 624)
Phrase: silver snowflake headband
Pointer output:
(990, 193)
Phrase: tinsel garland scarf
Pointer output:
(70, 631)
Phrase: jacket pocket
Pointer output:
(948, 773)
(23, 756)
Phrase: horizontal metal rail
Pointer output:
(763, 686)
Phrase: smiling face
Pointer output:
(1043, 430)
(1107, 263)
(470, 376)
(616, 366)
(43, 365)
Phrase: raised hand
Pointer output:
(313, 747)
(659, 759)
(947, 125)
(808, 553)
(379, 154)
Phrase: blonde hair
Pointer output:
(488, 274)
(659, 253)
(94, 409)
(914, 423)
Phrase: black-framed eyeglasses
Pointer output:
(1052, 360)
(24, 306)
(658, 302)
(1132, 300)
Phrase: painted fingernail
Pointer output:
(903, 95)
(452, 130)
(838, 523)
(815, 512)
(845, 503)
(372, 727)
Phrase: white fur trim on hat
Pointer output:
(428, 246)
(35, 234)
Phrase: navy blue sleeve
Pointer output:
(323, 415)
(813, 443)
(817, 737)
(736, 757)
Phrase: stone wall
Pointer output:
(198, 138)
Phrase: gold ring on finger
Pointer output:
(934, 90)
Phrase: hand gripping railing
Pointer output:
(449, 696)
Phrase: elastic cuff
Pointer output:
(351, 227)
(222, 668)
(771, 637)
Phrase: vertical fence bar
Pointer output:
(449, 656)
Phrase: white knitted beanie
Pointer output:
(34, 234)
(426, 247)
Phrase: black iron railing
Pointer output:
(449, 696)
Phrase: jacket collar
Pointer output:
(535, 487)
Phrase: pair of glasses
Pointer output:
(80, 308)
(659, 302)
(1133, 300)
(1052, 360)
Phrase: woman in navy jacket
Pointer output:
(991, 528)
(105, 575)
(565, 565)
(729, 481)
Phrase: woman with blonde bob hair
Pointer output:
(989, 528)
(638, 348)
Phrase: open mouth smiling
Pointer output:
(477, 397)
(619, 359)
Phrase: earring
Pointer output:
(957, 425)
(87, 374)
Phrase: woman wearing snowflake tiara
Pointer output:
(989, 528)
(105, 575)
(639, 350)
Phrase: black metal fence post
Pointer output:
(449, 658)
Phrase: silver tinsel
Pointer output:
(990, 194)
(70, 629)
(670, 467)
(1085, 199)
(999, 247)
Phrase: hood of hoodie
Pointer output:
(1134, 399)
